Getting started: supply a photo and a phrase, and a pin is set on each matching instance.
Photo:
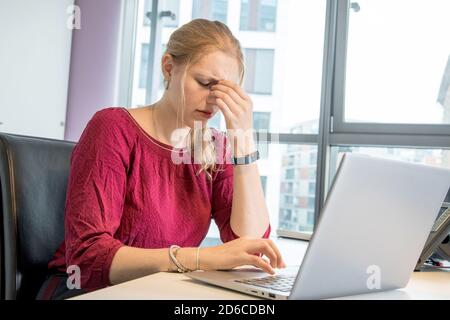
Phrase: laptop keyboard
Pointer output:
(278, 282)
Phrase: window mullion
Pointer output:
(154, 54)
(391, 140)
(287, 138)
(326, 106)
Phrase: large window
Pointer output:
(398, 62)
(326, 77)
(273, 84)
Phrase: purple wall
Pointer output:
(93, 63)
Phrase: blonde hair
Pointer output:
(187, 45)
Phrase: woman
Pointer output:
(129, 200)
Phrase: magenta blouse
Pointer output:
(124, 189)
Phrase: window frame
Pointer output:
(333, 130)
(339, 124)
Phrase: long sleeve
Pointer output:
(95, 200)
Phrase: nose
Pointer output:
(211, 106)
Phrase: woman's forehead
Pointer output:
(215, 74)
(217, 66)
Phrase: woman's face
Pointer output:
(199, 78)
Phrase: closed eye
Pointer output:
(203, 84)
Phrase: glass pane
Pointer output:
(258, 15)
(143, 66)
(261, 120)
(210, 9)
(288, 177)
(259, 70)
(264, 184)
(174, 7)
(215, 122)
(297, 187)
(398, 62)
(433, 157)
(141, 55)
(283, 77)
(167, 5)
(146, 12)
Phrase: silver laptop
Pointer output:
(373, 227)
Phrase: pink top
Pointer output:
(124, 189)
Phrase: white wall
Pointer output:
(35, 47)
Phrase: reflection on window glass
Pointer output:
(433, 157)
(398, 70)
(259, 70)
(210, 9)
(258, 15)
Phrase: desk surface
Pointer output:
(175, 286)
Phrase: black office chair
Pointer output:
(33, 179)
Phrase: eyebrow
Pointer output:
(210, 79)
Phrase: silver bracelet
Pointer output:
(180, 267)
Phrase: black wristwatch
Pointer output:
(250, 158)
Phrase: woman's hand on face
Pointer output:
(237, 108)
(242, 251)
(235, 104)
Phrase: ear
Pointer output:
(167, 65)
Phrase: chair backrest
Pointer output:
(33, 179)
